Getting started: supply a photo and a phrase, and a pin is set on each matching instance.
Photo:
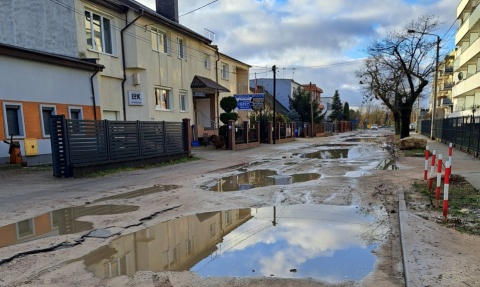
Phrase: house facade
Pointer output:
(466, 91)
(146, 65)
(284, 89)
(40, 77)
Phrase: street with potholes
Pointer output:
(314, 212)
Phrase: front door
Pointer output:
(203, 113)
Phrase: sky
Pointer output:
(317, 41)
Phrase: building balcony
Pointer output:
(469, 55)
(468, 85)
(461, 6)
(467, 25)
(447, 86)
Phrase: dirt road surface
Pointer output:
(436, 256)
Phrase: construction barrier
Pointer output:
(432, 170)
(446, 185)
(427, 154)
(439, 180)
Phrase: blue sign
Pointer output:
(249, 102)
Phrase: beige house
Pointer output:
(155, 68)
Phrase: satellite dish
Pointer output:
(460, 76)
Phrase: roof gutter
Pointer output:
(93, 95)
(123, 60)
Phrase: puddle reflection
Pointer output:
(319, 241)
(327, 154)
(260, 178)
(387, 164)
(57, 222)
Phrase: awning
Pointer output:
(207, 86)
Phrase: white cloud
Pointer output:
(305, 33)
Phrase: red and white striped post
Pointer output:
(439, 180)
(427, 154)
(432, 170)
(446, 184)
(450, 153)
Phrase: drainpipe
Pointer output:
(93, 95)
(217, 107)
(123, 60)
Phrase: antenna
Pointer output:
(209, 34)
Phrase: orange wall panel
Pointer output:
(43, 224)
(8, 235)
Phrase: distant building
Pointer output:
(284, 89)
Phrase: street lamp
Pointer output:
(432, 124)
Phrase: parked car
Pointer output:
(374, 127)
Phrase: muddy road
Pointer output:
(315, 212)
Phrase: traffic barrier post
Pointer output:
(427, 154)
(439, 180)
(446, 185)
(432, 170)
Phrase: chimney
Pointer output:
(168, 9)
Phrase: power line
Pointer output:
(198, 8)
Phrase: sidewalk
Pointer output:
(417, 246)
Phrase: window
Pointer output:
(25, 228)
(224, 71)
(46, 114)
(228, 217)
(99, 33)
(181, 49)
(75, 113)
(213, 229)
(183, 101)
(159, 41)
(163, 99)
(13, 116)
(206, 61)
(189, 247)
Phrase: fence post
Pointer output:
(258, 132)
(187, 136)
(139, 139)
(245, 132)
(231, 135)
(164, 128)
(270, 138)
(439, 180)
(106, 126)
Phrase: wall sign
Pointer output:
(135, 98)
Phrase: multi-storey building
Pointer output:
(466, 91)
(445, 84)
(284, 89)
(148, 66)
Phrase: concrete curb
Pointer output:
(402, 218)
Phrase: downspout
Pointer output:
(123, 60)
(217, 107)
(93, 95)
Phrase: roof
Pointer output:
(205, 85)
(153, 14)
(34, 55)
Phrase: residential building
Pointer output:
(445, 84)
(316, 93)
(466, 91)
(149, 66)
(284, 89)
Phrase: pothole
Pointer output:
(260, 178)
(57, 222)
(298, 241)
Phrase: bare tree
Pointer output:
(398, 69)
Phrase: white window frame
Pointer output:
(93, 47)
(77, 109)
(183, 99)
(160, 42)
(182, 52)
(31, 223)
(206, 61)
(161, 103)
(21, 120)
(54, 112)
(224, 71)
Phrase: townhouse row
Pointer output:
(105, 59)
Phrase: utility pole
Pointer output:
(274, 69)
(311, 106)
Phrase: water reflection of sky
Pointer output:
(319, 241)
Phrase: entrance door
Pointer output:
(203, 113)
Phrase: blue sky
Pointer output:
(318, 41)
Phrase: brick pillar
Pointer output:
(258, 132)
(245, 131)
(231, 135)
(270, 133)
(187, 145)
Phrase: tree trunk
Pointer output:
(405, 127)
(396, 118)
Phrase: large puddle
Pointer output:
(327, 243)
(327, 154)
(260, 178)
(57, 222)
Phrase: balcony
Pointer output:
(447, 86)
(469, 55)
(467, 25)
(469, 84)
(461, 6)
(448, 70)
(446, 102)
